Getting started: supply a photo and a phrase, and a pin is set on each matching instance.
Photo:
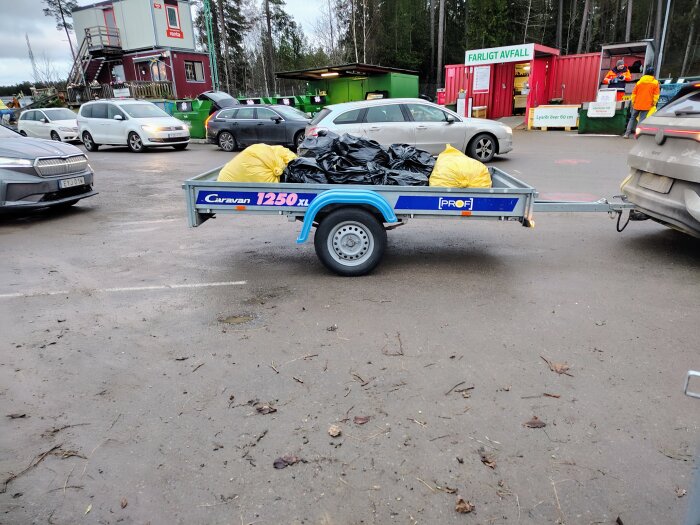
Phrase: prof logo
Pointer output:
(455, 204)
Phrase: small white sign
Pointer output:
(496, 55)
(601, 109)
(462, 107)
(605, 95)
(555, 116)
(121, 93)
(482, 79)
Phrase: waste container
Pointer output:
(614, 125)
(194, 113)
(311, 103)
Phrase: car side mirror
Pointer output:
(450, 120)
(276, 119)
(118, 117)
(43, 121)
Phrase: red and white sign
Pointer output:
(156, 5)
(175, 33)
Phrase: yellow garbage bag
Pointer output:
(257, 163)
(453, 169)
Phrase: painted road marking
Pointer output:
(123, 289)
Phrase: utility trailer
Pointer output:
(352, 220)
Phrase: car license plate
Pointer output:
(657, 183)
(70, 183)
(175, 135)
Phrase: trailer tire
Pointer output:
(350, 241)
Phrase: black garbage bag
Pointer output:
(339, 170)
(394, 177)
(319, 145)
(408, 158)
(359, 151)
(304, 170)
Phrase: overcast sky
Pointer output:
(25, 16)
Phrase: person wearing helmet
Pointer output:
(644, 97)
(618, 75)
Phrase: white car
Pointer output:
(137, 124)
(49, 123)
(415, 122)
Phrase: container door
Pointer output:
(539, 81)
(111, 25)
(502, 93)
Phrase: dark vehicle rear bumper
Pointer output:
(678, 209)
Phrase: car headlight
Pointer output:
(509, 130)
(68, 130)
(11, 162)
(151, 129)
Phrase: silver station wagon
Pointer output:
(415, 122)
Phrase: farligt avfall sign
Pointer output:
(495, 55)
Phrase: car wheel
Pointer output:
(298, 139)
(226, 141)
(350, 241)
(89, 143)
(55, 136)
(135, 143)
(482, 147)
(180, 147)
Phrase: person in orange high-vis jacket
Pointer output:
(644, 97)
(618, 75)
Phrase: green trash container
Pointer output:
(614, 125)
(311, 103)
(194, 113)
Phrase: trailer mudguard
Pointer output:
(341, 196)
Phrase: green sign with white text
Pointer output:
(495, 55)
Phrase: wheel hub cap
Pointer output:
(350, 242)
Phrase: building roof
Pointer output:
(344, 70)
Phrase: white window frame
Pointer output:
(168, 8)
(194, 71)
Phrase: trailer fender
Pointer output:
(342, 196)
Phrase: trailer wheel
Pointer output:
(350, 242)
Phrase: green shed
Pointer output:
(351, 82)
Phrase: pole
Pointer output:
(210, 46)
(663, 39)
(441, 35)
(628, 25)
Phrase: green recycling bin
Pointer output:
(614, 125)
(194, 113)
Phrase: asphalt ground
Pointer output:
(134, 351)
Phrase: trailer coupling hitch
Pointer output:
(632, 214)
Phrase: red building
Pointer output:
(145, 46)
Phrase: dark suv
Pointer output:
(664, 178)
(36, 173)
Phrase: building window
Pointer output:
(194, 71)
(173, 16)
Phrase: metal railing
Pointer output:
(101, 37)
(137, 89)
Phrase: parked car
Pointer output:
(38, 173)
(137, 124)
(272, 124)
(417, 122)
(49, 123)
(664, 177)
(219, 100)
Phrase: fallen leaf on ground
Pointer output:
(463, 507)
(181, 358)
(535, 422)
(555, 396)
(680, 492)
(16, 416)
(285, 461)
(334, 431)
(263, 408)
(123, 503)
(446, 489)
(487, 459)
(89, 508)
(332, 328)
(559, 368)
(360, 420)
